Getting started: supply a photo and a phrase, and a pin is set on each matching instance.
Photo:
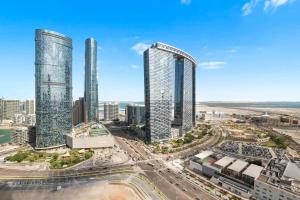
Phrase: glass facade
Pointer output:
(159, 70)
(135, 114)
(169, 76)
(91, 80)
(53, 82)
(179, 69)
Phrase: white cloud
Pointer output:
(212, 64)
(248, 7)
(186, 2)
(140, 47)
(134, 66)
(232, 50)
(275, 3)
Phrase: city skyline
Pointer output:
(238, 58)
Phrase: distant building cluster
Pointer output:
(278, 180)
(18, 112)
(207, 116)
(277, 120)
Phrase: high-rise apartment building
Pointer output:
(29, 106)
(111, 111)
(1, 109)
(135, 114)
(91, 80)
(169, 91)
(79, 113)
(9, 108)
(53, 82)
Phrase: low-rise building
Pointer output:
(90, 135)
(224, 162)
(280, 180)
(232, 174)
(203, 163)
(251, 173)
(236, 168)
(20, 135)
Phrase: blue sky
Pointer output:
(247, 50)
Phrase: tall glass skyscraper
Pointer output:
(169, 91)
(91, 80)
(53, 88)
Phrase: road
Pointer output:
(174, 185)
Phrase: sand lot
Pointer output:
(93, 191)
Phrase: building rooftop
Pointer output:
(292, 171)
(238, 166)
(175, 50)
(253, 171)
(225, 161)
(204, 154)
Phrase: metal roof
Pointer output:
(238, 165)
(204, 154)
(292, 170)
(253, 171)
(225, 161)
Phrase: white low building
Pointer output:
(93, 142)
(91, 135)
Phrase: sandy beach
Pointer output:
(250, 111)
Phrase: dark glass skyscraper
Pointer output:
(91, 80)
(53, 88)
(169, 91)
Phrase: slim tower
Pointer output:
(53, 88)
(91, 80)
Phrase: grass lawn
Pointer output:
(56, 161)
(5, 136)
(269, 143)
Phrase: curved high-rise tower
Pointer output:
(170, 100)
(53, 88)
(91, 80)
